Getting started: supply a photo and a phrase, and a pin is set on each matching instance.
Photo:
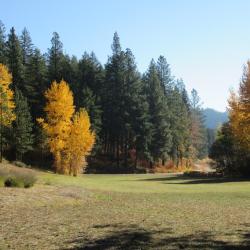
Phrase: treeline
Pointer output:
(138, 119)
(231, 149)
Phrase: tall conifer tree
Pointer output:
(22, 126)
(88, 92)
(3, 58)
(15, 60)
(161, 134)
(198, 131)
(36, 83)
(26, 46)
(55, 57)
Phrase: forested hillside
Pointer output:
(214, 118)
(137, 118)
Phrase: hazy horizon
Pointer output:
(205, 43)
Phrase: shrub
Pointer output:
(13, 182)
(14, 177)
(19, 164)
(29, 180)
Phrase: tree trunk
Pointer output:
(117, 153)
(136, 155)
(126, 151)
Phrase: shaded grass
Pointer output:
(126, 212)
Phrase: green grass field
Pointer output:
(153, 211)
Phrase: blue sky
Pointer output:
(205, 42)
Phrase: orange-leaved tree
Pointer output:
(239, 111)
(59, 109)
(79, 142)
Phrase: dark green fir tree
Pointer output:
(15, 60)
(36, 83)
(22, 126)
(55, 58)
(159, 115)
(26, 46)
(3, 58)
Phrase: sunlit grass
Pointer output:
(148, 183)
(148, 211)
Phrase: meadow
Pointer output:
(144, 211)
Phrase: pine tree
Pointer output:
(164, 74)
(3, 58)
(124, 105)
(116, 46)
(197, 131)
(68, 70)
(55, 57)
(184, 94)
(133, 115)
(36, 83)
(180, 127)
(26, 46)
(224, 151)
(15, 60)
(91, 74)
(142, 127)
(22, 126)
(90, 102)
(113, 101)
(159, 118)
(88, 92)
(177, 102)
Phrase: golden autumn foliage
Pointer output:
(59, 109)
(79, 142)
(6, 97)
(239, 111)
(69, 139)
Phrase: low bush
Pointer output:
(14, 177)
(29, 180)
(19, 164)
(13, 182)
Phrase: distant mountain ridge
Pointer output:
(214, 118)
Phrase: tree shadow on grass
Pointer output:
(120, 236)
(202, 179)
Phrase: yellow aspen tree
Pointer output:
(244, 99)
(59, 109)
(7, 104)
(239, 110)
(79, 143)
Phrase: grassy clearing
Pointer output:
(160, 211)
